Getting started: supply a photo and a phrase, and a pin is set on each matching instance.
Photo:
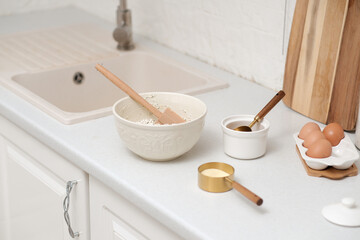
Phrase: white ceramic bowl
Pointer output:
(159, 142)
(244, 145)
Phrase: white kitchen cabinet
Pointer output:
(32, 189)
(115, 218)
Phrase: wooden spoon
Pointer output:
(263, 112)
(167, 117)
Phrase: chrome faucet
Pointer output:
(123, 32)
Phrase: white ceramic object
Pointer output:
(244, 145)
(357, 132)
(346, 213)
(159, 142)
(342, 157)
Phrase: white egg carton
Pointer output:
(343, 155)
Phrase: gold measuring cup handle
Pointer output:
(246, 192)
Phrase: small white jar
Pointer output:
(244, 145)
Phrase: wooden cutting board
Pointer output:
(322, 72)
(345, 95)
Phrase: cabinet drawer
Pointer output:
(32, 189)
(115, 218)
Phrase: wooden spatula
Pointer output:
(167, 117)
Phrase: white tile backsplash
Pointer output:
(246, 38)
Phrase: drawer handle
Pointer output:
(66, 204)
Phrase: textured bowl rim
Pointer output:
(159, 126)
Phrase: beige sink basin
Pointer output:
(43, 72)
(78, 93)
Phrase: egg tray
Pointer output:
(342, 156)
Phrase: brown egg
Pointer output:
(320, 149)
(308, 128)
(334, 133)
(313, 137)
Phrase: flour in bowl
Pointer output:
(148, 121)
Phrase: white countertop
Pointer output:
(168, 191)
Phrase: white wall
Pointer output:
(246, 37)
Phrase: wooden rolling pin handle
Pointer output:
(271, 104)
(128, 90)
(247, 193)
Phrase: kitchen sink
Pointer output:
(58, 72)
(77, 93)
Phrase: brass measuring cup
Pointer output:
(224, 181)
